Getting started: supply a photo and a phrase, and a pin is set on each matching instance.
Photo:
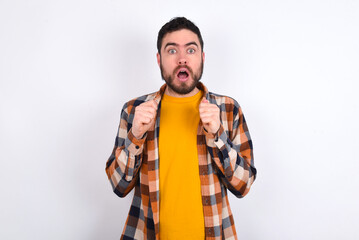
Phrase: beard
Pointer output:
(183, 88)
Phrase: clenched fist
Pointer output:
(145, 115)
(209, 114)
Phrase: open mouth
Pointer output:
(183, 74)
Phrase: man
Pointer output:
(181, 148)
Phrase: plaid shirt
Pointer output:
(225, 162)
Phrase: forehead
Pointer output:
(180, 37)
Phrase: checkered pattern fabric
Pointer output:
(225, 162)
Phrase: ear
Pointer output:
(158, 59)
(203, 56)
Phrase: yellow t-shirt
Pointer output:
(181, 210)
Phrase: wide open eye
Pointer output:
(191, 50)
(172, 51)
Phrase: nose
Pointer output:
(182, 60)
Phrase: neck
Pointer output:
(172, 93)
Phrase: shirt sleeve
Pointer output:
(123, 164)
(232, 153)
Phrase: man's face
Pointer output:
(181, 61)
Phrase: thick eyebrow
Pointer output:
(170, 44)
(191, 43)
(176, 45)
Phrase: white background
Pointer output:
(67, 67)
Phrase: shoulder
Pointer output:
(225, 103)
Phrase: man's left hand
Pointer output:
(209, 114)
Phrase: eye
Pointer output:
(191, 50)
(172, 51)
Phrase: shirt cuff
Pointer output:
(212, 139)
(134, 145)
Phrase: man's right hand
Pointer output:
(145, 115)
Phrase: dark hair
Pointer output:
(176, 24)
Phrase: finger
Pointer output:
(203, 106)
(146, 120)
(207, 104)
(213, 109)
(151, 103)
(149, 109)
(149, 122)
(206, 120)
(154, 103)
(143, 115)
(208, 114)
